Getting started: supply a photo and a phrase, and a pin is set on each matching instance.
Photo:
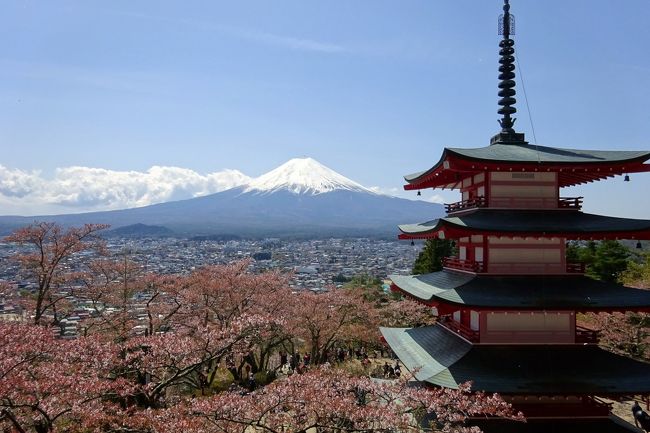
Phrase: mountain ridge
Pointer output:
(300, 198)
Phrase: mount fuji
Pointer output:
(301, 198)
(303, 176)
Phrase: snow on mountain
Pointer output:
(303, 176)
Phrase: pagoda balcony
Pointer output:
(561, 406)
(463, 265)
(457, 264)
(458, 328)
(571, 203)
(575, 268)
(582, 335)
(586, 336)
(471, 203)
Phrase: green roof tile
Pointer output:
(536, 292)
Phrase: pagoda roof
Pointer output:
(591, 164)
(543, 223)
(566, 292)
(439, 357)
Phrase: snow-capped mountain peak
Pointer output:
(303, 176)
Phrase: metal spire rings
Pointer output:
(507, 80)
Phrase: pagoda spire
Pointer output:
(507, 81)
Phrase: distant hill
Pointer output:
(301, 199)
(140, 230)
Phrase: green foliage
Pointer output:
(264, 378)
(609, 261)
(340, 278)
(222, 380)
(369, 287)
(430, 258)
(365, 280)
(638, 273)
(604, 260)
(573, 252)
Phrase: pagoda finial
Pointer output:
(507, 80)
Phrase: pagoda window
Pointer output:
(528, 327)
(475, 320)
(478, 254)
(524, 190)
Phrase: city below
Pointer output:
(315, 265)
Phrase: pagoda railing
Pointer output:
(543, 406)
(458, 328)
(575, 268)
(574, 203)
(570, 203)
(466, 204)
(456, 263)
(582, 335)
(463, 265)
(586, 336)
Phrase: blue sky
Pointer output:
(372, 89)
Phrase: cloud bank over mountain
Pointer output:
(85, 189)
(81, 189)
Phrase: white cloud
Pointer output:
(81, 189)
(18, 183)
(393, 192)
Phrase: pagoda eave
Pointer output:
(541, 224)
(450, 290)
(452, 167)
(446, 307)
(454, 233)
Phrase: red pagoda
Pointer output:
(507, 303)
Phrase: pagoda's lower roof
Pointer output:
(439, 357)
(530, 223)
(570, 292)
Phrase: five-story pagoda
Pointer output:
(508, 302)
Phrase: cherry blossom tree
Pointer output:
(45, 383)
(184, 361)
(112, 379)
(126, 301)
(48, 247)
(625, 333)
(336, 317)
(217, 295)
(329, 400)
(406, 312)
